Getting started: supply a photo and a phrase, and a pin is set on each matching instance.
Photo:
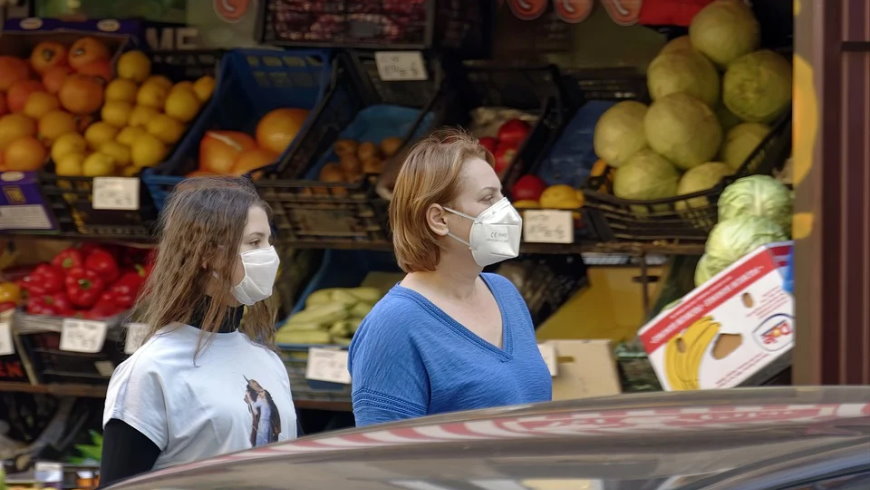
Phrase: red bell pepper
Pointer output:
(105, 307)
(126, 289)
(56, 304)
(45, 279)
(67, 259)
(84, 287)
(103, 263)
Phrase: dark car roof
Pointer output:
(738, 438)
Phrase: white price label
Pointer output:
(327, 365)
(548, 226)
(82, 335)
(136, 333)
(121, 193)
(548, 352)
(7, 347)
(396, 66)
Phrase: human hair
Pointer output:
(200, 235)
(429, 175)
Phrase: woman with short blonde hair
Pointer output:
(448, 337)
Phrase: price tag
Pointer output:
(120, 193)
(7, 347)
(401, 65)
(548, 352)
(82, 335)
(548, 226)
(327, 365)
(135, 336)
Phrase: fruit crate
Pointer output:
(310, 212)
(463, 27)
(40, 338)
(339, 269)
(679, 219)
(70, 198)
(250, 82)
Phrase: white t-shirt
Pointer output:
(234, 396)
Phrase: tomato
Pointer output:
(513, 131)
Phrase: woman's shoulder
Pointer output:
(500, 285)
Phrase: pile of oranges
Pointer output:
(68, 103)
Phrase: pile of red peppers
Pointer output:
(90, 281)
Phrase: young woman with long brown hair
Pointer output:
(204, 382)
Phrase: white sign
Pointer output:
(6, 345)
(548, 352)
(327, 365)
(548, 226)
(82, 335)
(136, 333)
(121, 193)
(396, 66)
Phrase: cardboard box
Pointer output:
(584, 369)
(736, 329)
(21, 204)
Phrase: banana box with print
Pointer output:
(737, 329)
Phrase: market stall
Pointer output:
(654, 178)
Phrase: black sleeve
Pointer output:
(126, 452)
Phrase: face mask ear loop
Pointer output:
(460, 213)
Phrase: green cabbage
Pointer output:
(683, 71)
(707, 268)
(646, 175)
(757, 86)
(736, 237)
(724, 31)
(683, 129)
(619, 132)
(700, 178)
(758, 195)
(740, 142)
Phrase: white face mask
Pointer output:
(261, 268)
(495, 233)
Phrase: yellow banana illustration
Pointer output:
(685, 351)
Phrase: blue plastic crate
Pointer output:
(250, 83)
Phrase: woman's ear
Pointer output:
(436, 218)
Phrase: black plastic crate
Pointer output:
(458, 25)
(70, 200)
(52, 365)
(673, 219)
(309, 212)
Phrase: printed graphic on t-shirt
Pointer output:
(266, 423)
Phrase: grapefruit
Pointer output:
(24, 154)
(81, 94)
(14, 127)
(53, 78)
(12, 70)
(20, 91)
(277, 129)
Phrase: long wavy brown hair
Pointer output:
(200, 234)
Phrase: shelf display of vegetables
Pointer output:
(90, 282)
(700, 126)
(330, 316)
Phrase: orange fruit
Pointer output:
(87, 50)
(40, 104)
(53, 78)
(24, 154)
(99, 68)
(4, 107)
(81, 94)
(253, 159)
(46, 55)
(277, 129)
(14, 127)
(55, 123)
(20, 91)
(12, 70)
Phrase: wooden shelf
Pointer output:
(57, 389)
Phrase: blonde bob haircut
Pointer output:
(430, 175)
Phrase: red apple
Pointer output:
(489, 143)
(528, 188)
(513, 131)
(504, 156)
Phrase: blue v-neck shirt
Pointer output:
(410, 359)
